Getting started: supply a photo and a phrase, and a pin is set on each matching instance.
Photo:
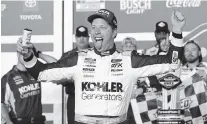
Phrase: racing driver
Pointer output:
(104, 78)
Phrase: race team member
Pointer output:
(161, 48)
(194, 69)
(102, 92)
(193, 58)
(82, 41)
(162, 33)
(129, 44)
(21, 96)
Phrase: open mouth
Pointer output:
(99, 39)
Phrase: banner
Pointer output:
(44, 18)
(32, 14)
(89, 5)
(137, 19)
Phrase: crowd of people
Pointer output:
(100, 80)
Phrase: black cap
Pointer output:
(106, 15)
(162, 26)
(81, 31)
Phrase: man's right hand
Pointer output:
(26, 51)
(178, 22)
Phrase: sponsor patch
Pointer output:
(88, 70)
(116, 70)
(102, 86)
(116, 65)
(116, 60)
(87, 75)
(102, 91)
(29, 90)
(90, 66)
(90, 61)
(18, 80)
(119, 74)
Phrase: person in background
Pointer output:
(193, 57)
(162, 33)
(82, 41)
(163, 43)
(21, 95)
(194, 84)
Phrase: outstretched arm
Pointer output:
(47, 58)
(153, 70)
(56, 72)
(34, 67)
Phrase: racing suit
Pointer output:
(103, 83)
(70, 90)
(21, 93)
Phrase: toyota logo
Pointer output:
(30, 3)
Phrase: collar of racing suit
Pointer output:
(16, 69)
(106, 53)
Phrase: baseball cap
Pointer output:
(162, 26)
(106, 15)
(81, 31)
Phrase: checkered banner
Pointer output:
(193, 99)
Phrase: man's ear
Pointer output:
(114, 33)
(199, 53)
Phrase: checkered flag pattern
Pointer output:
(193, 99)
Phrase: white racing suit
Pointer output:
(103, 84)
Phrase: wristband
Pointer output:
(38, 53)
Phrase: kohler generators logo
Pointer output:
(135, 6)
(102, 91)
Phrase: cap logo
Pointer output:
(81, 29)
(161, 24)
(103, 12)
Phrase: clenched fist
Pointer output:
(178, 22)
